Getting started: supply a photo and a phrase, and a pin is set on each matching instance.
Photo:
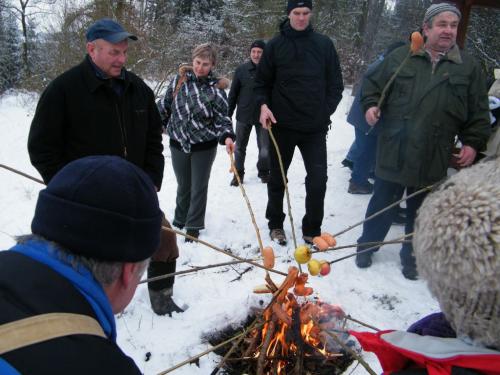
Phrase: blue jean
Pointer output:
(364, 160)
(375, 230)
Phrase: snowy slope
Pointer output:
(379, 295)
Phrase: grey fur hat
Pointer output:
(457, 247)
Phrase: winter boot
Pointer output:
(161, 291)
(234, 181)
(363, 258)
(193, 233)
(278, 235)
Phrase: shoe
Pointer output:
(193, 233)
(234, 181)
(399, 218)
(162, 302)
(364, 260)
(308, 239)
(347, 163)
(264, 178)
(278, 235)
(410, 272)
(355, 188)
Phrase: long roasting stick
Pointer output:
(195, 269)
(423, 190)
(220, 250)
(22, 174)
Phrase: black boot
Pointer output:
(234, 181)
(161, 291)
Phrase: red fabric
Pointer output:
(393, 358)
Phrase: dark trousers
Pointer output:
(312, 147)
(242, 135)
(192, 172)
(375, 230)
(364, 159)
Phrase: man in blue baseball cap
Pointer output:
(100, 108)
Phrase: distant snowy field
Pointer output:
(379, 295)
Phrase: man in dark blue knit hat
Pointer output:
(247, 115)
(95, 227)
(100, 108)
(298, 87)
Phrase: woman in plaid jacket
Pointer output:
(196, 107)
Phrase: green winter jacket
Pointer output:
(424, 110)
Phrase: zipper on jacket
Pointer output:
(122, 130)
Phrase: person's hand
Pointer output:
(266, 117)
(372, 115)
(466, 156)
(229, 145)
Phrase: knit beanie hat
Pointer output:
(457, 247)
(101, 207)
(259, 43)
(435, 9)
(292, 4)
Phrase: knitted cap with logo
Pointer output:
(457, 247)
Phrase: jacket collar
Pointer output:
(452, 55)
(92, 76)
(290, 32)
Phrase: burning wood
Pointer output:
(294, 336)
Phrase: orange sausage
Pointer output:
(268, 255)
(330, 240)
(417, 42)
(320, 243)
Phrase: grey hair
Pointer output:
(104, 272)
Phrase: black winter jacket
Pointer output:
(300, 79)
(79, 115)
(242, 94)
(40, 290)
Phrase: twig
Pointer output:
(189, 360)
(351, 352)
(381, 243)
(248, 269)
(240, 184)
(283, 176)
(220, 250)
(364, 251)
(267, 341)
(348, 317)
(388, 84)
(233, 347)
(423, 190)
(194, 269)
(22, 174)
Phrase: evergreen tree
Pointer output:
(9, 50)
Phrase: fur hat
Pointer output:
(435, 9)
(292, 4)
(101, 207)
(457, 247)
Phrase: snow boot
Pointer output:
(234, 181)
(278, 235)
(161, 291)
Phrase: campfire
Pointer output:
(292, 335)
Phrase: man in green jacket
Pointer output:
(438, 94)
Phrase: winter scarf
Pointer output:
(81, 279)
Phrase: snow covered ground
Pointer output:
(380, 295)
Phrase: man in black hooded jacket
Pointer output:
(298, 87)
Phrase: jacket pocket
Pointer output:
(390, 148)
(440, 143)
(402, 89)
(457, 105)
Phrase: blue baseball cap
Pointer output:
(109, 30)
